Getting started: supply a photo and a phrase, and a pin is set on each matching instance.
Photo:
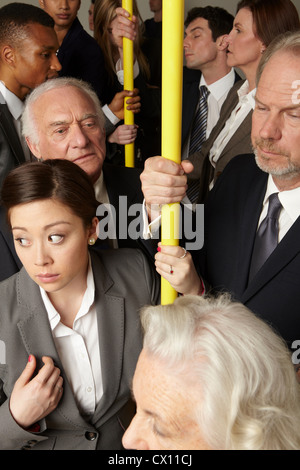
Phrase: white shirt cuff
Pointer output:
(152, 229)
(110, 115)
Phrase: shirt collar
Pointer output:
(289, 199)
(14, 104)
(87, 301)
(246, 96)
(218, 88)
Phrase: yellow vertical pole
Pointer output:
(172, 66)
(128, 59)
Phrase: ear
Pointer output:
(222, 42)
(8, 55)
(41, 2)
(93, 229)
(34, 149)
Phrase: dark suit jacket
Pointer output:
(232, 212)
(240, 143)
(123, 284)
(190, 98)
(120, 181)
(11, 151)
(81, 57)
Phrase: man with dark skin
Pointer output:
(28, 46)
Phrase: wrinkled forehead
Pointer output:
(280, 79)
(64, 101)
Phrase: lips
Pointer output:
(63, 17)
(47, 278)
(83, 157)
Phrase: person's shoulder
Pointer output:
(239, 174)
(110, 170)
(78, 33)
(118, 257)
(191, 75)
(242, 162)
(127, 268)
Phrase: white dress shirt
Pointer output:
(15, 107)
(78, 348)
(245, 104)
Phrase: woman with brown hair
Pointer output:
(256, 24)
(108, 36)
(69, 318)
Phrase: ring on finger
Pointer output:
(171, 269)
(184, 254)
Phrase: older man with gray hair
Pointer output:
(63, 119)
(212, 376)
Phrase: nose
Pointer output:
(271, 127)
(132, 439)
(230, 37)
(78, 137)
(64, 4)
(186, 42)
(55, 64)
(42, 257)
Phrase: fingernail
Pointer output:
(30, 358)
(158, 248)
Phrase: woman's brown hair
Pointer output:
(271, 17)
(60, 180)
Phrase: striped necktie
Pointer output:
(198, 136)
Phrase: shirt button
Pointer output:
(90, 436)
(89, 389)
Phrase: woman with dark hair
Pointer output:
(69, 318)
(256, 24)
(107, 35)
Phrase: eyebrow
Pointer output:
(194, 29)
(60, 222)
(286, 108)
(83, 118)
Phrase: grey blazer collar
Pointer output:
(37, 338)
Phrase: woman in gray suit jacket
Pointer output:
(69, 326)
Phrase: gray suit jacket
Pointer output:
(123, 283)
(239, 144)
(11, 151)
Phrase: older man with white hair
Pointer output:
(63, 119)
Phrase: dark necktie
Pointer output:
(266, 238)
(198, 136)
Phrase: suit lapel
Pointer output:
(10, 132)
(190, 98)
(286, 250)
(248, 226)
(243, 130)
(111, 317)
(37, 337)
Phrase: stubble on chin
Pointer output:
(286, 169)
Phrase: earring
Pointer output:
(91, 241)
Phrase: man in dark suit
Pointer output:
(63, 119)
(205, 49)
(240, 200)
(79, 54)
(28, 46)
